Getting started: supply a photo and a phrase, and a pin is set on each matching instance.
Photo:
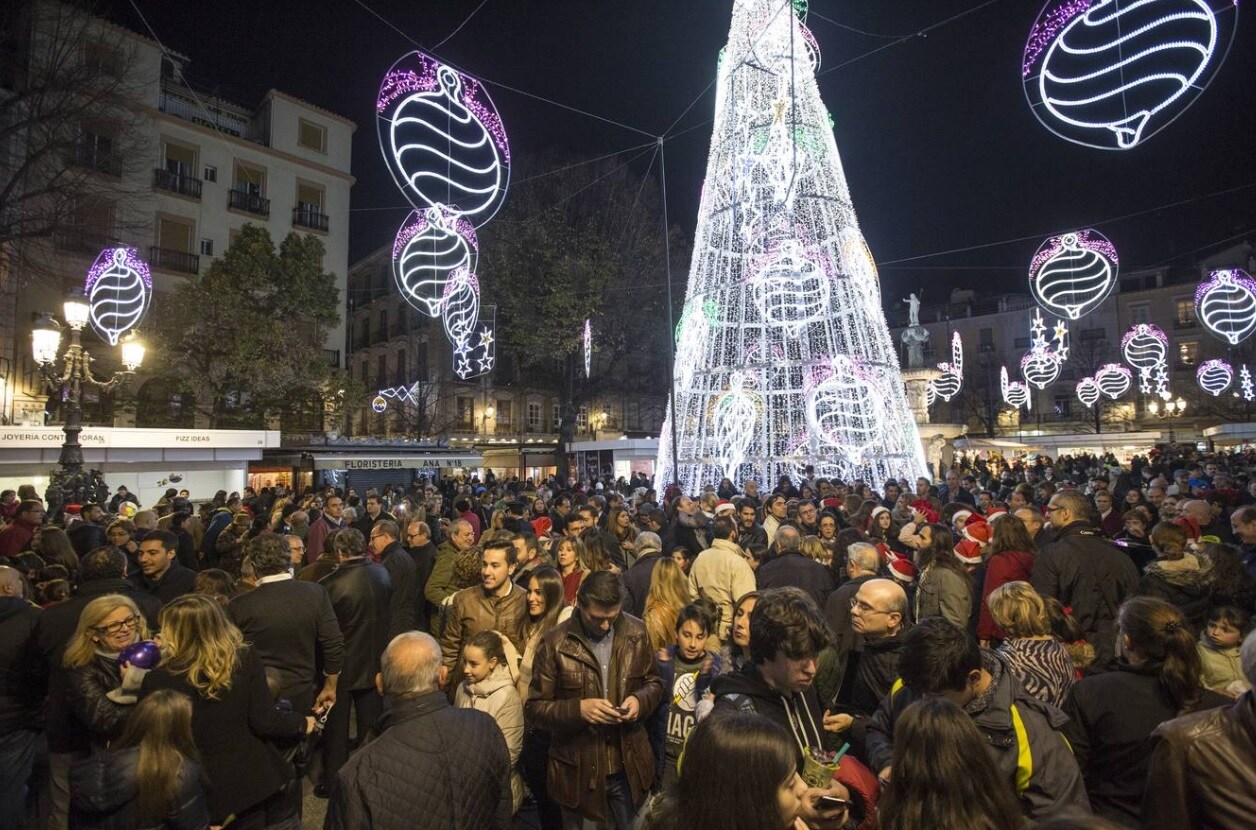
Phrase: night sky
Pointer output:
(940, 148)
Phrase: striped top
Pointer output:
(1043, 667)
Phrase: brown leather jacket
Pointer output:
(472, 611)
(1203, 770)
(565, 672)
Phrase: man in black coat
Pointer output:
(360, 593)
(791, 568)
(422, 550)
(425, 765)
(1082, 569)
(160, 572)
(385, 542)
(374, 512)
(21, 693)
(89, 533)
(637, 579)
(291, 625)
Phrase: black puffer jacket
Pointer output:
(88, 717)
(458, 755)
(21, 677)
(104, 795)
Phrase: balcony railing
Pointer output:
(180, 261)
(176, 183)
(248, 202)
(332, 356)
(306, 218)
(93, 158)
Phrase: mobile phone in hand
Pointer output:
(623, 710)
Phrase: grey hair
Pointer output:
(386, 527)
(347, 542)
(410, 665)
(863, 556)
(788, 538)
(1247, 658)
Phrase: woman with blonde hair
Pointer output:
(669, 592)
(1034, 657)
(569, 554)
(233, 714)
(151, 777)
(813, 548)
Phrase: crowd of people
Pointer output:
(1032, 643)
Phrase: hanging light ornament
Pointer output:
(1072, 274)
(735, 421)
(1110, 74)
(429, 248)
(948, 384)
(118, 288)
(843, 409)
(790, 288)
(1015, 393)
(588, 347)
(1088, 391)
(1146, 348)
(461, 306)
(1040, 369)
(1042, 364)
(1214, 376)
(1245, 383)
(1114, 380)
(1226, 304)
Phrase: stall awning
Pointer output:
(988, 444)
(352, 461)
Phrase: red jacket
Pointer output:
(16, 538)
(1005, 567)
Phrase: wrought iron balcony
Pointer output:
(307, 218)
(248, 202)
(176, 183)
(180, 261)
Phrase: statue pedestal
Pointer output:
(935, 439)
(917, 382)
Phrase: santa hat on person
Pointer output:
(996, 511)
(887, 555)
(542, 525)
(976, 529)
(831, 504)
(925, 506)
(902, 569)
(968, 552)
(1191, 525)
(877, 511)
(960, 517)
(725, 507)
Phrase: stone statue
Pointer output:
(913, 310)
(914, 339)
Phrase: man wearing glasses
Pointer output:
(1079, 567)
(388, 551)
(421, 549)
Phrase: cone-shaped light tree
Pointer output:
(783, 355)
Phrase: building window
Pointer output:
(381, 373)
(420, 362)
(466, 413)
(582, 419)
(312, 136)
(503, 413)
(249, 179)
(402, 369)
(1022, 342)
(1061, 404)
(1140, 313)
(95, 150)
(986, 337)
(100, 59)
(173, 235)
(383, 323)
(534, 415)
(207, 247)
(1183, 312)
(211, 173)
(1188, 352)
(558, 416)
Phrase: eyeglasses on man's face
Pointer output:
(119, 626)
(864, 608)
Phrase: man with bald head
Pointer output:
(1078, 566)
(878, 614)
(458, 755)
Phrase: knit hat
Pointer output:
(968, 552)
(902, 569)
(977, 529)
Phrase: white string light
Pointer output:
(1245, 383)
(1015, 393)
(1214, 376)
(587, 338)
(1114, 380)
(1042, 364)
(1111, 73)
(1146, 348)
(782, 291)
(118, 288)
(1226, 304)
(1072, 274)
(948, 384)
(1088, 391)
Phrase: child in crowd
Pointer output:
(687, 669)
(488, 685)
(1219, 650)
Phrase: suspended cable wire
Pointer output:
(474, 12)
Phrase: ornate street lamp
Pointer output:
(70, 484)
(1172, 409)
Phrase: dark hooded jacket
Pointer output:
(1024, 737)
(104, 795)
(1183, 583)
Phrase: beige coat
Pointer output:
(722, 574)
(1222, 671)
(497, 697)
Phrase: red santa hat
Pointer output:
(887, 555)
(977, 529)
(542, 525)
(902, 569)
(1191, 525)
(724, 507)
(996, 511)
(925, 506)
(968, 552)
(960, 517)
(832, 504)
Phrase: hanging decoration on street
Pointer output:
(1110, 74)
(430, 247)
(445, 146)
(948, 384)
(119, 287)
(1042, 364)
(1072, 274)
(1015, 393)
(443, 138)
(1088, 391)
(587, 338)
(1245, 383)
(1214, 376)
(379, 403)
(782, 290)
(1114, 380)
(1226, 304)
(1146, 348)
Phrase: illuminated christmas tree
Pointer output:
(783, 355)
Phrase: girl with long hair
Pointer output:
(233, 714)
(619, 524)
(488, 685)
(546, 609)
(150, 777)
(737, 651)
(1010, 558)
(881, 526)
(55, 549)
(1230, 583)
(829, 527)
(569, 554)
(934, 738)
(669, 592)
(944, 588)
(1031, 653)
(1135, 539)
(596, 556)
(739, 771)
(1112, 714)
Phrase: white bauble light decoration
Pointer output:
(735, 418)
(790, 288)
(1145, 347)
(948, 384)
(1226, 304)
(1111, 73)
(1088, 391)
(1015, 393)
(443, 138)
(461, 307)
(428, 249)
(1214, 376)
(1072, 274)
(845, 409)
(1114, 380)
(1040, 368)
(118, 288)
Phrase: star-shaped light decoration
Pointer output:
(1037, 331)
(464, 368)
(486, 338)
(486, 363)
(463, 348)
